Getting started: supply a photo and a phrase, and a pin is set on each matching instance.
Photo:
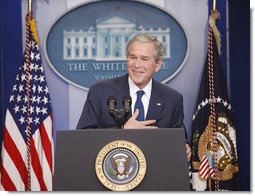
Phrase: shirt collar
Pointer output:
(133, 88)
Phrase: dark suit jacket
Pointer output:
(166, 104)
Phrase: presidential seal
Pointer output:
(120, 165)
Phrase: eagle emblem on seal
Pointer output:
(120, 166)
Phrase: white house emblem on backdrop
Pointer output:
(88, 43)
(107, 42)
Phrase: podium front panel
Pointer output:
(164, 150)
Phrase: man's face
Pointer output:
(142, 63)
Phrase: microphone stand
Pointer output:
(120, 118)
(119, 115)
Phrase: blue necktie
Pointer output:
(139, 105)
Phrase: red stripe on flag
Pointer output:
(204, 168)
(204, 164)
(212, 173)
(46, 143)
(6, 181)
(15, 155)
(37, 166)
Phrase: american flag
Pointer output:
(206, 170)
(27, 156)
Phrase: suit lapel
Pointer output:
(121, 87)
(156, 102)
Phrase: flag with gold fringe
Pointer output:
(214, 161)
(27, 156)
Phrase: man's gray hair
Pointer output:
(146, 38)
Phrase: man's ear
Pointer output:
(158, 64)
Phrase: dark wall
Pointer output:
(239, 14)
(10, 51)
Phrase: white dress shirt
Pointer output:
(145, 98)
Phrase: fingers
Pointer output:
(136, 113)
(145, 122)
(188, 152)
(133, 123)
(148, 122)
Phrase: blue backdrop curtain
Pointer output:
(239, 44)
(10, 51)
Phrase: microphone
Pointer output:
(111, 102)
(127, 101)
(119, 115)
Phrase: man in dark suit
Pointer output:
(159, 105)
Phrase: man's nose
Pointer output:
(137, 62)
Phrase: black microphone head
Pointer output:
(111, 102)
(111, 99)
(127, 101)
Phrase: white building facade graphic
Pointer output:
(107, 42)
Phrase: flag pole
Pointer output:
(212, 95)
(214, 5)
(28, 85)
(29, 6)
